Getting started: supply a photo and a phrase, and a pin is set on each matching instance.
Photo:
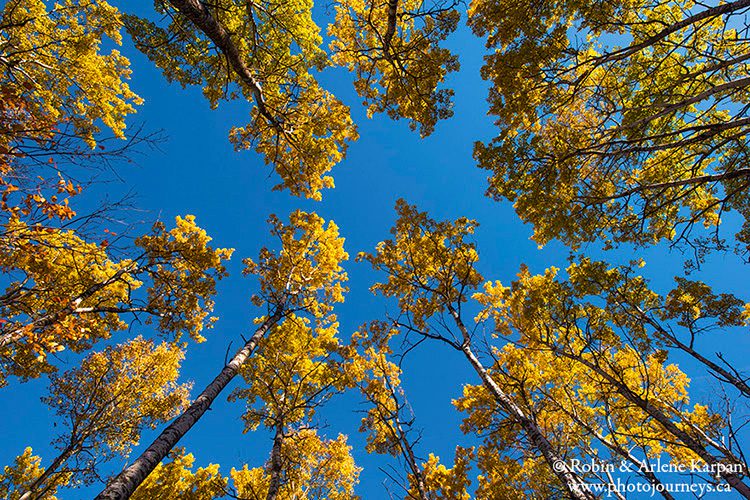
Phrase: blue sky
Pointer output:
(197, 172)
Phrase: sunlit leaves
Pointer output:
(184, 269)
(57, 274)
(296, 369)
(112, 396)
(103, 405)
(68, 293)
(579, 360)
(55, 54)
(306, 274)
(306, 144)
(16, 479)
(622, 121)
(445, 483)
(430, 264)
(314, 469)
(177, 479)
(265, 53)
(394, 48)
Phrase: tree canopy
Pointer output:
(440, 363)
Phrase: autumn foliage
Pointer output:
(620, 126)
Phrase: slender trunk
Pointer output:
(619, 450)
(391, 26)
(411, 459)
(276, 465)
(48, 473)
(569, 479)
(197, 12)
(130, 478)
(687, 440)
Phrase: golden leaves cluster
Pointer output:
(53, 58)
(394, 49)
(271, 50)
(125, 388)
(586, 352)
(315, 469)
(69, 293)
(306, 274)
(177, 479)
(295, 370)
(429, 263)
(621, 121)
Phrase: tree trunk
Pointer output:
(197, 12)
(276, 465)
(391, 27)
(125, 484)
(686, 439)
(48, 473)
(411, 460)
(569, 479)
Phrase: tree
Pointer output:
(105, 403)
(643, 398)
(265, 54)
(55, 72)
(305, 276)
(312, 468)
(631, 130)
(618, 123)
(430, 269)
(296, 369)
(64, 287)
(390, 423)
(68, 294)
(58, 87)
(605, 358)
(394, 49)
